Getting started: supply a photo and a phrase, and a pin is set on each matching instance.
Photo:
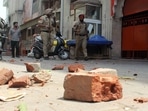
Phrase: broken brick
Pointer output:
(75, 67)
(58, 67)
(93, 87)
(41, 77)
(22, 81)
(32, 67)
(5, 76)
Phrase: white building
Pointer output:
(14, 10)
(106, 16)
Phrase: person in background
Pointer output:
(15, 37)
(81, 36)
(46, 26)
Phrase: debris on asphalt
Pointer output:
(127, 108)
(9, 95)
(22, 107)
(141, 100)
(103, 71)
(92, 87)
(75, 67)
(33, 67)
(21, 60)
(22, 81)
(12, 61)
(58, 67)
(41, 77)
(5, 76)
(135, 74)
(81, 70)
(127, 78)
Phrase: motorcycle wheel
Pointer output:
(63, 54)
(37, 55)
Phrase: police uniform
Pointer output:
(46, 30)
(80, 29)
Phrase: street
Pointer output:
(133, 77)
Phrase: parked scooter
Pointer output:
(3, 26)
(58, 50)
(1, 50)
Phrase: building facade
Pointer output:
(130, 25)
(15, 11)
(119, 21)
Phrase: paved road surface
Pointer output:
(50, 96)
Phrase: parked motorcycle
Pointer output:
(58, 50)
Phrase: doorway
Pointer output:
(135, 30)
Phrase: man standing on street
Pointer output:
(15, 36)
(81, 36)
(46, 26)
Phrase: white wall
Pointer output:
(15, 8)
(65, 29)
(106, 19)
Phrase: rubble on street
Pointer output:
(78, 86)
(5, 75)
(93, 86)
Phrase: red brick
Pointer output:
(75, 67)
(22, 81)
(58, 67)
(5, 76)
(32, 67)
(92, 87)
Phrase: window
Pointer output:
(35, 6)
(93, 12)
(90, 11)
(29, 32)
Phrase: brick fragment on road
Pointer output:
(58, 67)
(5, 76)
(141, 100)
(22, 81)
(94, 87)
(75, 67)
(33, 67)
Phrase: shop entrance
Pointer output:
(135, 29)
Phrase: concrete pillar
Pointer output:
(106, 19)
(65, 11)
(117, 30)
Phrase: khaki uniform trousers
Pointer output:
(81, 43)
(47, 42)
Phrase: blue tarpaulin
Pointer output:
(94, 40)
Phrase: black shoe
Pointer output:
(86, 58)
(46, 58)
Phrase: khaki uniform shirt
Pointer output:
(44, 20)
(80, 28)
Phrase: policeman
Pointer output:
(81, 35)
(46, 27)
